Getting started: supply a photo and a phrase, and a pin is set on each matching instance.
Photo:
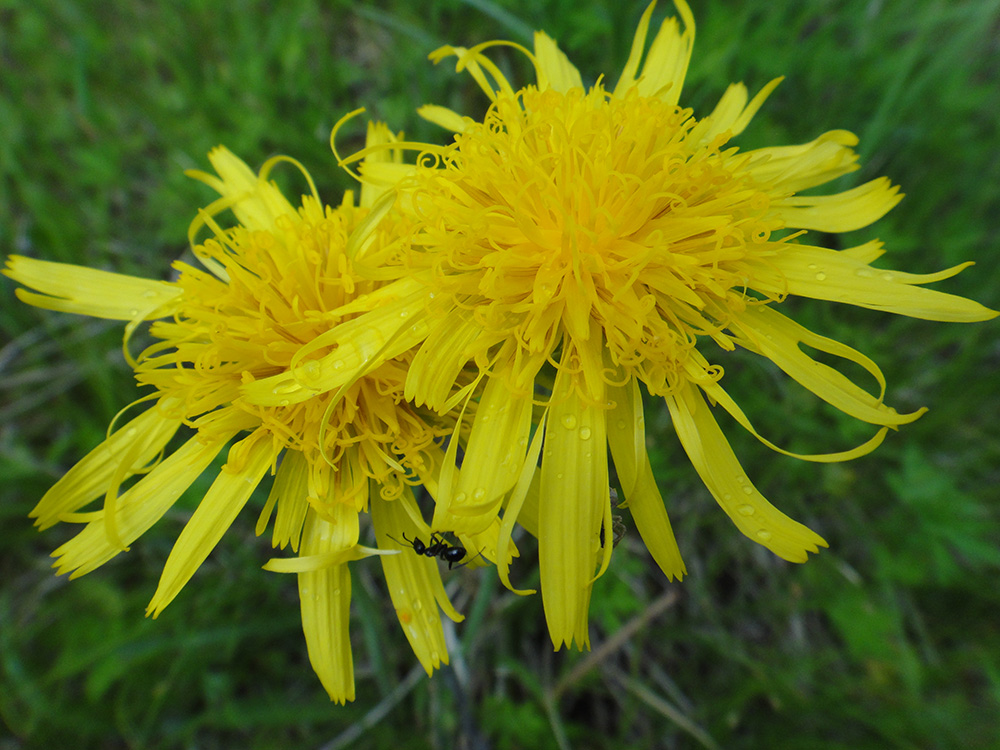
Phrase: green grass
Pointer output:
(888, 639)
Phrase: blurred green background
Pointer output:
(888, 639)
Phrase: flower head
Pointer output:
(272, 289)
(580, 242)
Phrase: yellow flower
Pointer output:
(276, 286)
(579, 242)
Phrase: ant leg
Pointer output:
(471, 559)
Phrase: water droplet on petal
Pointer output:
(460, 497)
(763, 535)
(821, 276)
(569, 422)
(479, 493)
(748, 490)
(585, 433)
(746, 510)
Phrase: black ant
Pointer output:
(617, 526)
(437, 547)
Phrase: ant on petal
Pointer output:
(438, 547)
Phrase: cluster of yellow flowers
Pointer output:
(480, 324)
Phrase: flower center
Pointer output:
(566, 208)
(283, 290)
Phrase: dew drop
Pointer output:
(460, 497)
(283, 402)
(435, 656)
(621, 424)
(338, 365)
(727, 496)
(559, 475)
(811, 266)
(311, 369)
(569, 422)
(865, 273)
(585, 433)
(746, 510)
(748, 490)
(479, 494)
(821, 276)
(888, 277)
(763, 535)
(418, 605)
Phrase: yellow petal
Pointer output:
(360, 345)
(718, 395)
(574, 490)
(414, 581)
(515, 505)
(795, 168)
(627, 78)
(258, 203)
(90, 477)
(494, 455)
(325, 600)
(87, 291)
(138, 508)
(666, 65)
(771, 334)
(215, 513)
(553, 68)
(727, 111)
(319, 561)
(448, 119)
(289, 493)
(841, 212)
(627, 438)
(721, 472)
(439, 360)
(821, 273)
(473, 61)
